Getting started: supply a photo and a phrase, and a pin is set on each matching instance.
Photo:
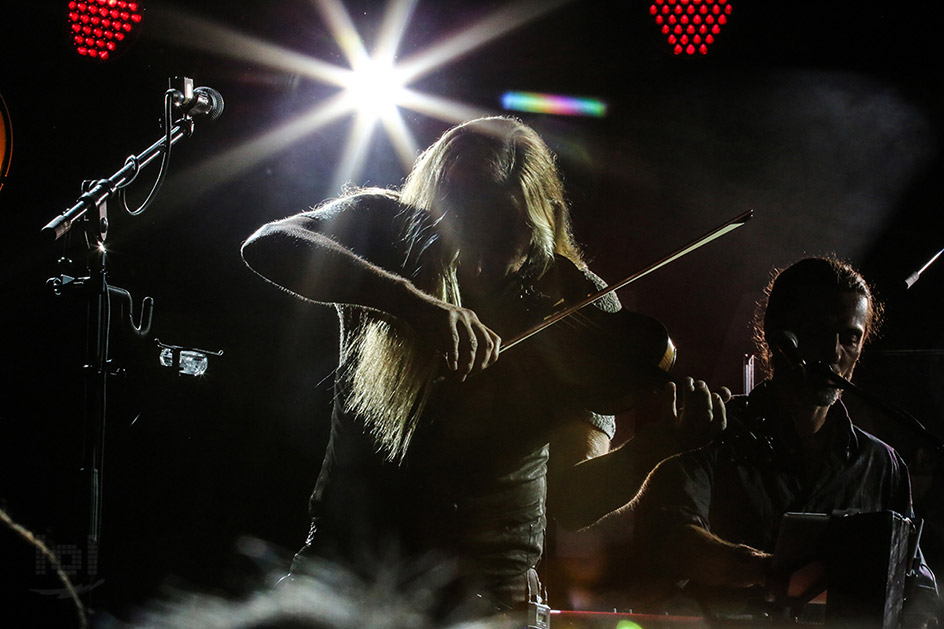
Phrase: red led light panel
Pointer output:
(690, 26)
(103, 29)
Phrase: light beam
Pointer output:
(373, 88)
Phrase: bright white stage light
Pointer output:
(375, 89)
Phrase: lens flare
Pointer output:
(373, 88)
(553, 104)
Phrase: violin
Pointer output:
(607, 357)
(611, 358)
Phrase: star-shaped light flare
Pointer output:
(374, 88)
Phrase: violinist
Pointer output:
(437, 448)
(714, 513)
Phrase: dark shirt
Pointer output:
(739, 487)
(473, 483)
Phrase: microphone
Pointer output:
(826, 374)
(787, 344)
(205, 101)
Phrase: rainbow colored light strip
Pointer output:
(553, 104)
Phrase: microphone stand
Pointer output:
(90, 210)
(787, 346)
(893, 410)
(889, 408)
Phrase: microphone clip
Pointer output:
(787, 345)
(200, 101)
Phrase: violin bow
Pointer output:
(550, 320)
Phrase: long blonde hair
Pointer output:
(388, 373)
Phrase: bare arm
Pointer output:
(302, 255)
(692, 552)
(587, 481)
(294, 254)
(673, 526)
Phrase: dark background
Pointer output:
(824, 118)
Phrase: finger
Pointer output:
(725, 394)
(494, 347)
(483, 350)
(667, 400)
(698, 398)
(718, 412)
(468, 349)
(685, 388)
(453, 344)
